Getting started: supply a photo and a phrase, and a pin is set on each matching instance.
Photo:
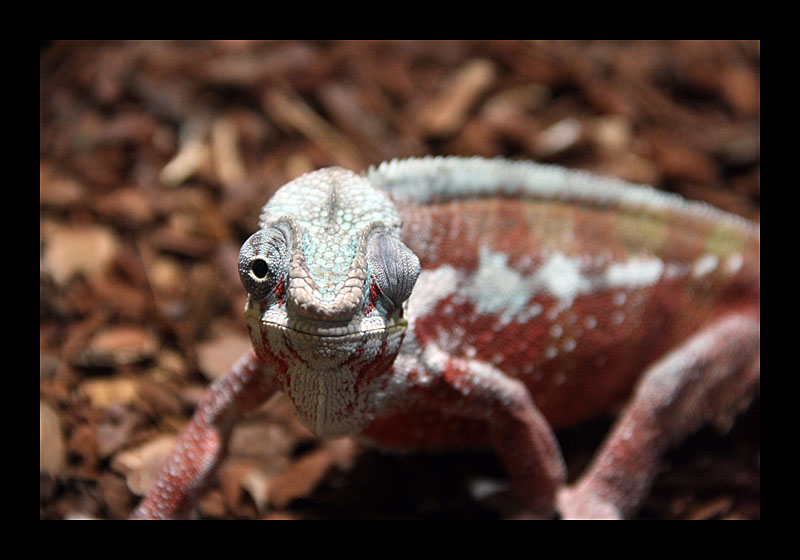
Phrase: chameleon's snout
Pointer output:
(304, 295)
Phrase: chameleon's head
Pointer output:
(328, 278)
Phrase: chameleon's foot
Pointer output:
(583, 503)
(707, 377)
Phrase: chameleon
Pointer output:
(447, 302)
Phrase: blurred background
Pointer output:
(156, 157)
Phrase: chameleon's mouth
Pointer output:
(318, 330)
(276, 319)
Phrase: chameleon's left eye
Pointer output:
(262, 261)
(394, 266)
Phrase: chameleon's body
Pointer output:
(542, 297)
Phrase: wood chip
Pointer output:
(119, 345)
(258, 484)
(57, 191)
(128, 207)
(216, 356)
(225, 150)
(103, 393)
(116, 430)
(262, 440)
(303, 476)
(193, 155)
(81, 250)
(300, 478)
(292, 112)
(612, 134)
(679, 162)
(561, 137)
(447, 113)
(742, 90)
(251, 475)
(141, 464)
(52, 450)
(711, 509)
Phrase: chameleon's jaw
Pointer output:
(326, 369)
(309, 330)
(278, 319)
(325, 343)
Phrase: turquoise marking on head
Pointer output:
(332, 208)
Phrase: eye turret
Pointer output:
(263, 261)
(394, 266)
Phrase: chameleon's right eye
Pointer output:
(259, 268)
(262, 261)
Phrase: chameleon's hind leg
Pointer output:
(708, 378)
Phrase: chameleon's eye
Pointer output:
(259, 268)
(394, 266)
(262, 261)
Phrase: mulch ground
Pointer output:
(155, 158)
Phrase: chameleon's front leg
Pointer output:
(202, 444)
(520, 434)
(707, 378)
(525, 443)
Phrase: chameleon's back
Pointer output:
(572, 283)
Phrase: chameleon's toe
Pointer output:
(582, 502)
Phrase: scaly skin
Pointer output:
(446, 302)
